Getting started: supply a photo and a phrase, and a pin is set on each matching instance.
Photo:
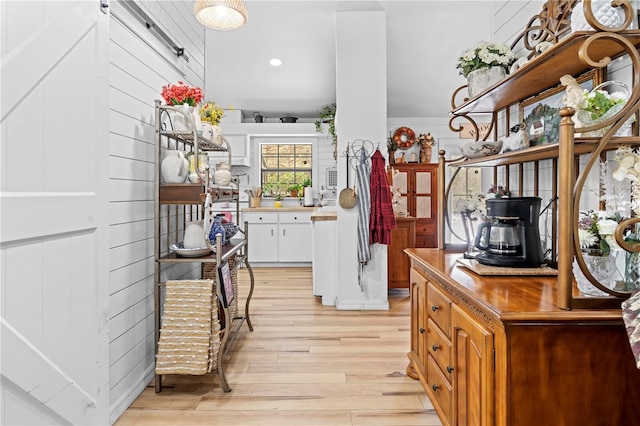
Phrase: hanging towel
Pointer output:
(631, 318)
(382, 219)
(364, 208)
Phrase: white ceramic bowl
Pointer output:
(479, 149)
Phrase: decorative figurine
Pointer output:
(426, 143)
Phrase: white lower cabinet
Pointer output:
(283, 237)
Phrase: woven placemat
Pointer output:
(481, 269)
(190, 331)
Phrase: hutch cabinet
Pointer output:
(418, 184)
(509, 349)
(212, 316)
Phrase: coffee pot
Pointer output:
(511, 235)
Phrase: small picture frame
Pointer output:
(541, 113)
(224, 275)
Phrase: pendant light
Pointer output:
(224, 15)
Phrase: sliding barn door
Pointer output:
(54, 359)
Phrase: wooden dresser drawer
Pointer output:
(439, 348)
(439, 309)
(440, 389)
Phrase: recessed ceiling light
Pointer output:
(275, 62)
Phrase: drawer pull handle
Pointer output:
(449, 369)
(295, 218)
(422, 330)
(435, 387)
(435, 347)
(434, 308)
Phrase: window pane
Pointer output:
(283, 165)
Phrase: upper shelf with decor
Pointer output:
(560, 59)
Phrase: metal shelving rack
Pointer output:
(199, 196)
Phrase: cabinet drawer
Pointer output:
(295, 217)
(260, 217)
(439, 309)
(439, 348)
(440, 389)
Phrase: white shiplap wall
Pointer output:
(140, 64)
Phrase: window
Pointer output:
(284, 165)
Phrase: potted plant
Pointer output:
(305, 183)
(484, 64)
(328, 115)
(294, 189)
(211, 114)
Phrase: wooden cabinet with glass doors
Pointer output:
(418, 184)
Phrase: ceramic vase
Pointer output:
(194, 235)
(174, 167)
(194, 177)
(217, 228)
(181, 120)
(481, 79)
(222, 174)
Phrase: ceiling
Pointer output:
(424, 40)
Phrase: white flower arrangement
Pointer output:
(483, 55)
(628, 167)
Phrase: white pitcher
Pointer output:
(194, 235)
(175, 168)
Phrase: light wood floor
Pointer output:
(304, 364)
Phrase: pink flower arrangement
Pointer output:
(180, 94)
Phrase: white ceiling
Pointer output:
(424, 40)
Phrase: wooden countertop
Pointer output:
(319, 215)
(508, 298)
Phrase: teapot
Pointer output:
(174, 167)
(259, 117)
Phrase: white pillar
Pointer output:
(361, 84)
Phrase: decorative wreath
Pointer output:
(404, 137)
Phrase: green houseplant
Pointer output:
(328, 115)
(294, 189)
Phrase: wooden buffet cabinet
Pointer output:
(530, 350)
(498, 351)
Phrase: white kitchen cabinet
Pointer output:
(240, 152)
(294, 237)
(279, 237)
(263, 228)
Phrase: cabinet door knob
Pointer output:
(434, 308)
(295, 218)
(435, 387)
(435, 347)
(422, 330)
(260, 218)
(449, 369)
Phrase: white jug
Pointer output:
(175, 168)
(194, 235)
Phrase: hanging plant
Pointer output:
(328, 115)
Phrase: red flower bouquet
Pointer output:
(180, 94)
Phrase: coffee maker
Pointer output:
(511, 235)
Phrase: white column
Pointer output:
(361, 81)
